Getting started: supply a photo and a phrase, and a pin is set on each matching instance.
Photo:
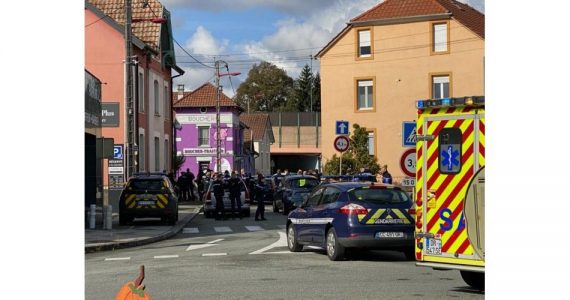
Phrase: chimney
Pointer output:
(180, 91)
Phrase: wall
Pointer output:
(401, 66)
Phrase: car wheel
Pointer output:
(335, 251)
(292, 243)
(124, 219)
(410, 253)
(275, 208)
(475, 279)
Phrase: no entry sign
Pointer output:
(408, 162)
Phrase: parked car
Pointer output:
(341, 216)
(291, 191)
(148, 195)
(269, 191)
(209, 201)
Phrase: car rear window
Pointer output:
(380, 196)
(146, 184)
(304, 183)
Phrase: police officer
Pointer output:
(386, 176)
(235, 194)
(218, 188)
(260, 190)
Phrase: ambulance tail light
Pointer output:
(353, 209)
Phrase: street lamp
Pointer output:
(218, 138)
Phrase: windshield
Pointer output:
(304, 183)
(146, 184)
(380, 196)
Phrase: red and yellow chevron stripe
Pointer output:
(448, 190)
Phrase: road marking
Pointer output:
(166, 256)
(206, 245)
(215, 241)
(191, 230)
(280, 252)
(254, 228)
(223, 229)
(214, 254)
(117, 258)
(282, 226)
(282, 242)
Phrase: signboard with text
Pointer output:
(110, 114)
(200, 151)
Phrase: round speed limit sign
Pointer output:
(408, 162)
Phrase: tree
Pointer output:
(317, 93)
(356, 157)
(303, 88)
(267, 88)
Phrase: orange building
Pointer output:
(388, 57)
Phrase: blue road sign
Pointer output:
(409, 134)
(118, 152)
(341, 127)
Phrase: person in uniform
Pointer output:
(218, 188)
(386, 176)
(235, 194)
(260, 190)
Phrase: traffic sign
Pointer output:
(118, 152)
(341, 143)
(409, 181)
(408, 162)
(341, 127)
(408, 134)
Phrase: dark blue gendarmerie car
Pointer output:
(340, 216)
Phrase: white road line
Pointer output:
(280, 243)
(279, 252)
(117, 258)
(200, 246)
(166, 256)
(223, 229)
(254, 228)
(215, 241)
(191, 230)
(214, 254)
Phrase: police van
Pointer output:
(450, 186)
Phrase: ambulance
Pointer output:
(450, 187)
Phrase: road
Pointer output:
(244, 259)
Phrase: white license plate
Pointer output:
(389, 234)
(433, 246)
(146, 203)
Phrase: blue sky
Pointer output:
(244, 32)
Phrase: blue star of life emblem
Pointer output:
(450, 157)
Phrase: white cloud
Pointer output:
(202, 42)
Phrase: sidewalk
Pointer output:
(140, 233)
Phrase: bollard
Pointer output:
(109, 217)
(92, 216)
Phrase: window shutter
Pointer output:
(440, 37)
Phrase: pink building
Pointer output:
(153, 51)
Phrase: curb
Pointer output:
(168, 234)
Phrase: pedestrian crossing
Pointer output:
(230, 229)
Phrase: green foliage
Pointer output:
(177, 162)
(317, 93)
(267, 88)
(356, 157)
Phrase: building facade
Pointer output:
(154, 61)
(384, 60)
(260, 134)
(196, 136)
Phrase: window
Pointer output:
(156, 99)
(141, 92)
(166, 102)
(365, 94)
(315, 197)
(440, 87)
(330, 196)
(440, 41)
(141, 145)
(379, 196)
(166, 155)
(364, 43)
(371, 143)
(203, 136)
(156, 154)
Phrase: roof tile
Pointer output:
(204, 96)
(257, 122)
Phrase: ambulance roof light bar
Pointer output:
(451, 102)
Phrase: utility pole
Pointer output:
(130, 107)
(312, 83)
(218, 139)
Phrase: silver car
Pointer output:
(210, 200)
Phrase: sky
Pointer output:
(246, 32)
